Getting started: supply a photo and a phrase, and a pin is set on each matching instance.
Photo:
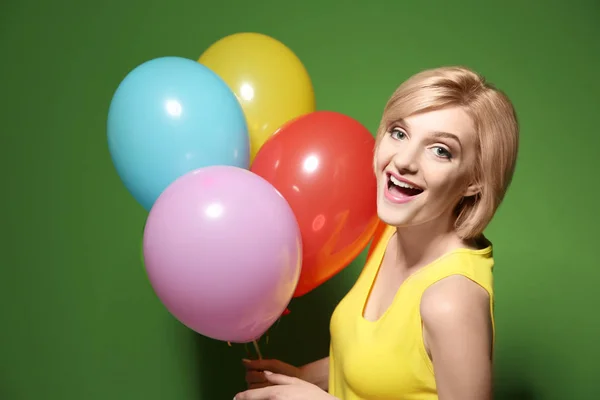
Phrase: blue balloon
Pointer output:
(170, 116)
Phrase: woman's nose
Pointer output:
(406, 161)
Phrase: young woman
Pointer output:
(418, 323)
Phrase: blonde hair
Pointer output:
(497, 130)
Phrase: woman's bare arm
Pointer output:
(458, 334)
(317, 373)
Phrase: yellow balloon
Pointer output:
(269, 80)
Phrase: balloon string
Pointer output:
(257, 349)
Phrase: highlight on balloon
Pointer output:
(238, 173)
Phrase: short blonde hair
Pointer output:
(497, 130)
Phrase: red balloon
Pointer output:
(322, 164)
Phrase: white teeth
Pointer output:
(397, 182)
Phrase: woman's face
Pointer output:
(423, 166)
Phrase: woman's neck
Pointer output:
(417, 246)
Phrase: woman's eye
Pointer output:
(442, 152)
(398, 134)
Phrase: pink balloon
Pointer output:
(223, 252)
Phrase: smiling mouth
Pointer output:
(400, 189)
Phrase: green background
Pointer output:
(79, 319)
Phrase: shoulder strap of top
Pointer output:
(376, 251)
(377, 236)
(476, 265)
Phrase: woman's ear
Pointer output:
(472, 190)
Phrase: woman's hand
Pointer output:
(255, 375)
(316, 372)
(285, 388)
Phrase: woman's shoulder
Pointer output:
(454, 294)
(463, 275)
(462, 282)
(474, 259)
(455, 308)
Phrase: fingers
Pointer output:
(258, 379)
(257, 394)
(253, 376)
(279, 379)
(259, 385)
(270, 392)
(276, 366)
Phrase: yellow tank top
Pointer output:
(387, 359)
